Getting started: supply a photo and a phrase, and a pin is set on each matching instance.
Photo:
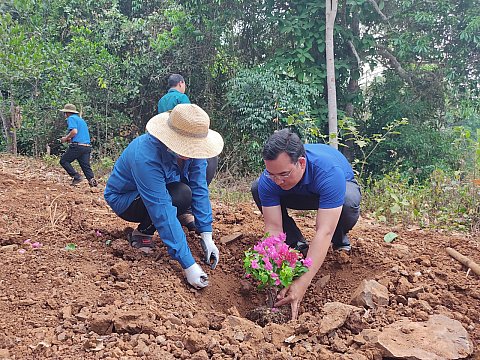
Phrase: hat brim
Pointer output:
(191, 147)
(69, 111)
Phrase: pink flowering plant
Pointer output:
(274, 265)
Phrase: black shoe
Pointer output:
(302, 246)
(76, 181)
(92, 182)
(188, 221)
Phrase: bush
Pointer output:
(259, 102)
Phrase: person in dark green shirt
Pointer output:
(175, 95)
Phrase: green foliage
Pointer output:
(260, 101)
(446, 200)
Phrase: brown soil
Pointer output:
(105, 300)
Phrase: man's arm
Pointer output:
(71, 134)
(272, 216)
(327, 220)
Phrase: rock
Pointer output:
(232, 237)
(277, 333)
(200, 355)
(438, 338)
(399, 250)
(66, 312)
(195, 342)
(198, 321)
(336, 313)
(370, 294)
(322, 282)
(249, 328)
(133, 322)
(120, 270)
(8, 248)
(101, 324)
(4, 354)
(403, 286)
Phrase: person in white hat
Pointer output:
(159, 176)
(79, 148)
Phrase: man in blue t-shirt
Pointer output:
(174, 96)
(159, 176)
(306, 177)
(79, 148)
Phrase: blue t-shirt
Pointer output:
(76, 122)
(171, 99)
(326, 174)
(144, 169)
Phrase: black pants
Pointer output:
(80, 153)
(180, 193)
(348, 217)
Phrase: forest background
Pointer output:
(407, 80)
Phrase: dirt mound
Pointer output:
(72, 288)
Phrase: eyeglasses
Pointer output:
(280, 176)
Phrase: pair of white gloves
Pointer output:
(195, 275)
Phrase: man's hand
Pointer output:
(293, 295)
(64, 139)
(210, 249)
(196, 276)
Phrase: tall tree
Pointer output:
(330, 15)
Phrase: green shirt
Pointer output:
(171, 99)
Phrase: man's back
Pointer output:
(171, 99)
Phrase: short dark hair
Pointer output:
(174, 79)
(283, 141)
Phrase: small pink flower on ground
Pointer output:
(27, 241)
(22, 251)
(274, 309)
(254, 264)
(36, 245)
(248, 276)
(98, 233)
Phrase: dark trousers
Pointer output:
(348, 217)
(180, 193)
(82, 155)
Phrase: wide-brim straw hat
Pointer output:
(69, 108)
(186, 131)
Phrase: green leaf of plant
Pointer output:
(70, 247)
(388, 238)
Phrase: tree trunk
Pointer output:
(353, 88)
(8, 126)
(330, 14)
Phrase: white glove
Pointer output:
(210, 249)
(196, 276)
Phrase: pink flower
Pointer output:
(27, 241)
(268, 264)
(248, 276)
(36, 245)
(307, 262)
(22, 251)
(255, 264)
(98, 233)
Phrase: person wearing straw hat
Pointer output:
(176, 95)
(160, 175)
(79, 148)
